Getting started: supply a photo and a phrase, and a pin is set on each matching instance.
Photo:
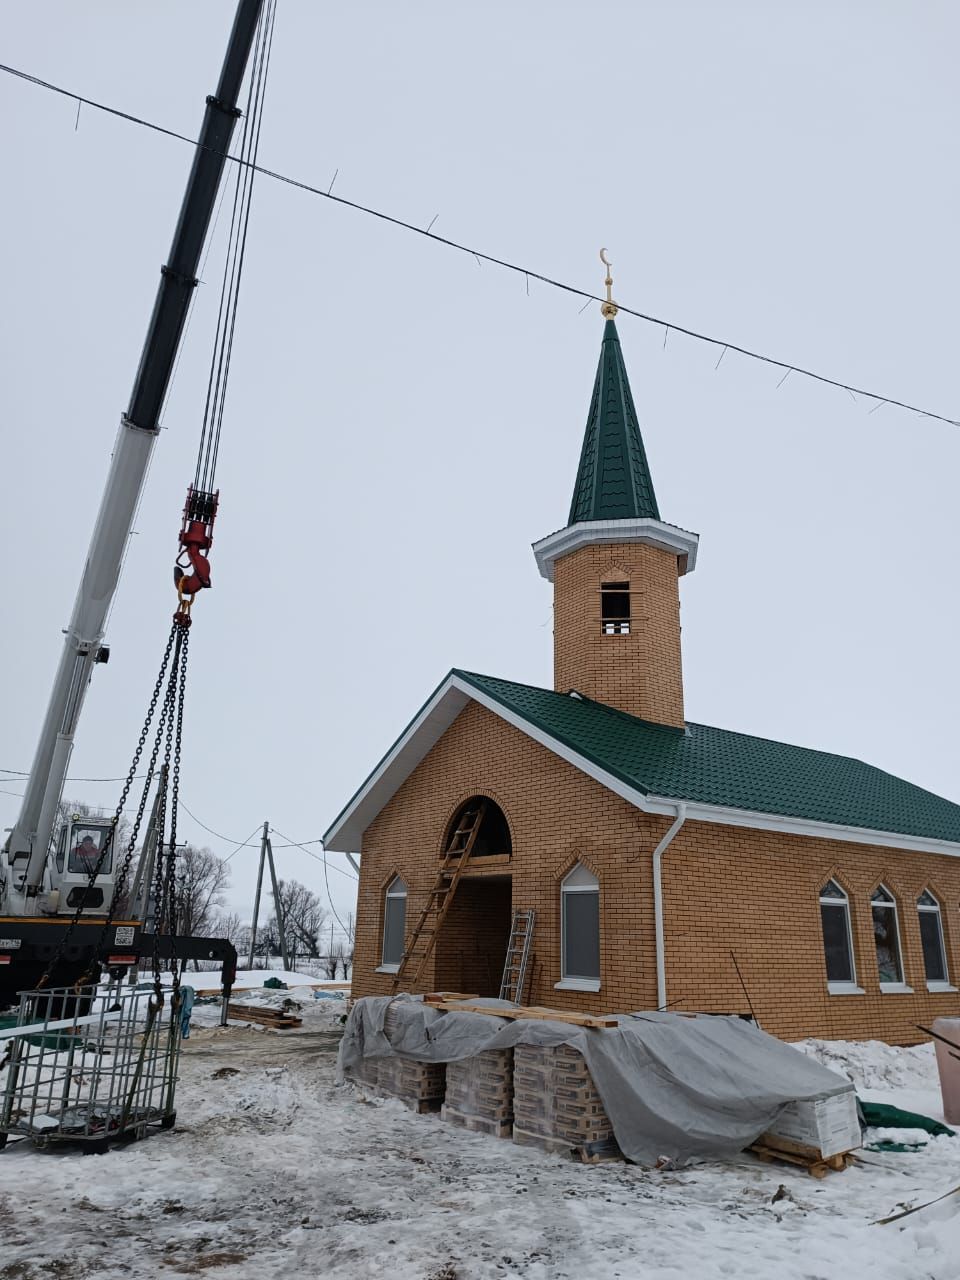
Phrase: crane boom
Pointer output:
(23, 863)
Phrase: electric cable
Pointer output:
(480, 255)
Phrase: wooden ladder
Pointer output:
(518, 956)
(455, 859)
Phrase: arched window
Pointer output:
(580, 929)
(494, 834)
(886, 936)
(837, 938)
(394, 922)
(931, 939)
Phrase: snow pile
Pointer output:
(273, 1171)
(871, 1064)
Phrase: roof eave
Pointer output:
(655, 533)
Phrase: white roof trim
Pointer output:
(453, 695)
(653, 532)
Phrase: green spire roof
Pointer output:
(613, 480)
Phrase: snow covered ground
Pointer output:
(275, 1171)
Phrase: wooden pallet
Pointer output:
(263, 1016)
(772, 1147)
(476, 1124)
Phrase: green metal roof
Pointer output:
(717, 767)
(613, 479)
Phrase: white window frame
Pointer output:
(389, 966)
(589, 884)
(944, 983)
(891, 988)
(840, 988)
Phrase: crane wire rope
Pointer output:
(527, 272)
(209, 446)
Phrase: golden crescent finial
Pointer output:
(609, 308)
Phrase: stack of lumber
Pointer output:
(556, 1106)
(479, 1093)
(263, 1016)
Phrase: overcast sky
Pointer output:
(402, 423)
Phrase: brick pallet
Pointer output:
(556, 1106)
(479, 1093)
(419, 1085)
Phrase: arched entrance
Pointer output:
(472, 944)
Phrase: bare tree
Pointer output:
(231, 927)
(330, 961)
(303, 917)
(202, 879)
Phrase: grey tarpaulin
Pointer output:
(673, 1086)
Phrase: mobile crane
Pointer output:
(56, 903)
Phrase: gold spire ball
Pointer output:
(609, 308)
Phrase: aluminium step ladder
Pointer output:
(440, 898)
(517, 960)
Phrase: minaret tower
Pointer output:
(616, 566)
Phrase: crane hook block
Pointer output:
(192, 569)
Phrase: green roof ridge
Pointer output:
(613, 479)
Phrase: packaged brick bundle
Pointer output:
(479, 1092)
(418, 1084)
(556, 1105)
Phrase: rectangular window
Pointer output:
(886, 936)
(836, 941)
(581, 935)
(394, 922)
(931, 938)
(615, 608)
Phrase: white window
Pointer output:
(580, 930)
(931, 940)
(886, 937)
(394, 923)
(837, 940)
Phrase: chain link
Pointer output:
(108, 843)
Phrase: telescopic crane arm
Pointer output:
(23, 863)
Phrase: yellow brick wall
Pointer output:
(640, 672)
(725, 889)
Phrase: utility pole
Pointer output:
(256, 900)
(277, 904)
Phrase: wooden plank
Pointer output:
(532, 1012)
(268, 1017)
(817, 1168)
(437, 997)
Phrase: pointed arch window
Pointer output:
(838, 940)
(886, 937)
(394, 923)
(580, 930)
(931, 941)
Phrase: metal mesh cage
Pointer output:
(89, 1065)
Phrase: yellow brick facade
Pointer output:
(641, 672)
(726, 890)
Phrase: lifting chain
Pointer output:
(165, 865)
(108, 843)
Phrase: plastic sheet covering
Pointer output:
(674, 1087)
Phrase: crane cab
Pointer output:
(79, 846)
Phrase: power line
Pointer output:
(22, 773)
(325, 880)
(479, 255)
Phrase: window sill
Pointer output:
(577, 984)
(896, 989)
(845, 989)
(387, 968)
(940, 986)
